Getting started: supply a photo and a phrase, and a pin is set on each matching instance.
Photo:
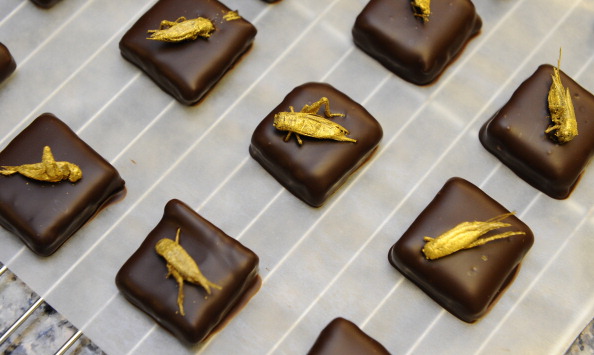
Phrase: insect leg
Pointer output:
(170, 270)
(315, 107)
(8, 170)
(47, 156)
(180, 292)
(167, 24)
(327, 110)
(177, 235)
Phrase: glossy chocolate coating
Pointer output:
(187, 70)
(515, 135)
(43, 214)
(468, 282)
(418, 52)
(316, 169)
(222, 260)
(45, 3)
(7, 63)
(343, 337)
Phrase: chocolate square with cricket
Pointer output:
(189, 275)
(344, 337)
(7, 63)
(414, 43)
(463, 267)
(186, 46)
(313, 150)
(516, 135)
(45, 3)
(52, 183)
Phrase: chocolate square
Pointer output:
(316, 169)
(468, 282)
(7, 63)
(416, 51)
(221, 259)
(187, 70)
(515, 135)
(343, 337)
(45, 214)
(45, 3)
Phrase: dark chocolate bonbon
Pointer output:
(343, 337)
(44, 215)
(223, 260)
(187, 70)
(45, 3)
(317, 168)
(468, 282)
(416, 51)
(516, 135)
(7, 63)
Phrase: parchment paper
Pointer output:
(317, 264)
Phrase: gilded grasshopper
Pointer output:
(307, 122)
(564, 127)
(421, 8)
(182, 29)
(182, 267)
(48, 170)
(465, 236)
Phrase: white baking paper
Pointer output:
(317, 264)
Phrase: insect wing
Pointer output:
(319, 127)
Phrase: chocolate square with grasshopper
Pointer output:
(314, 140)
(416, 40)
(189, 275)
(463, 267)
(344, 337)
(516, 135)
(52, 183)
(186, 46)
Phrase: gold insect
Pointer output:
(182, 29)
(182, 267)
(465, 236)
(421, 8)
(564, 127)
(231, 16)
(307, 122)
(48, 170)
